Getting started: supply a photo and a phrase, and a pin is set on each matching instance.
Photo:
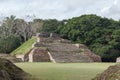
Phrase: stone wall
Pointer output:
(9, 71)
(96, 58)
(37, 54)
(40, 55)
(67, 53)
(51, 47)
(112, 73)
(11, 58)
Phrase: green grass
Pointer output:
(25, 47)
(64, 71)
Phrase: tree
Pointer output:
(36, 25)
(8, 39)
(23, 29)
(101, 35)
(50, 25)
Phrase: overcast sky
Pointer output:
(59, 9)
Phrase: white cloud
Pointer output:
(105, 10)
(59, 9)
(112, 11)
(115, 2)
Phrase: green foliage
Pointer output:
(50, 25)
(8, 39)
(25, 47)
(9, 43)
(13, 32)
(101, 35)
(36, 25)
(24, 31)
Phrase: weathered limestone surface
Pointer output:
(9, 57)
(118, 59)
(40, 55)
(93, 56)
(68, 53)
(112, 73)
(50, 47)
(8, 71)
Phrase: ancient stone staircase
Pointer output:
(37, 54)
(67, 53)
(69, 57)
(59, 50)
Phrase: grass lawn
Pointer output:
(64, 71)
(25, 47)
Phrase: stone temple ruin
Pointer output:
(51, 48)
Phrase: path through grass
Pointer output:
(64, 71)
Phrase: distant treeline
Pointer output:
(101, 35)
(15, 31)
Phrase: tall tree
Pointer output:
(23, 29)
(36, 25)
(8, 39)
(101, 35)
